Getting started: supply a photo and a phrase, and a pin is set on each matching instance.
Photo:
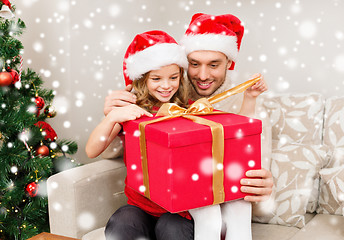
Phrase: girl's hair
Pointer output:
(147, 101)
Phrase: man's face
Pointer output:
(207, 71)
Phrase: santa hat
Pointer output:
(221, 33)
(150, 51)
(5, 11)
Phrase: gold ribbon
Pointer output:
(237, 89)
(200, 107)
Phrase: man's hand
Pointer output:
(119, 98)
(259, 183)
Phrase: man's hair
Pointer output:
(147, 101)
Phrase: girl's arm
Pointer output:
(250, 96)
(109, 128)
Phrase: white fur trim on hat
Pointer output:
(6, 12)
(153, 58)
(211, 42)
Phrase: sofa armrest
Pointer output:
(84, 198)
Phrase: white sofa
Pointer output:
(307, 164)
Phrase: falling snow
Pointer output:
(298, 46)
(86, 220)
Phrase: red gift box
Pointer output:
(180, 159)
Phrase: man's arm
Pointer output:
(259, 183)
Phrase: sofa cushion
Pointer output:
(296, 118)
(261, 231)
(97, 234)
(295, 170)
(322, 226)
(84, 198)
(331, 198)
(334, 129)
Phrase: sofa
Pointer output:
(307, 164)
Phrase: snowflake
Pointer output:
(307, 29)
(234, 189)
(86, 220)
(195, 177)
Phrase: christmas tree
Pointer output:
(30, 151)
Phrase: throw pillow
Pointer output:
(331, 200)
(296, 118)
(334, 129)
(295, 169)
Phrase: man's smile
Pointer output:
(204, 85)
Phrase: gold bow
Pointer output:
(200, 107)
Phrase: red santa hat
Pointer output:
(150, 51)
(221, 33)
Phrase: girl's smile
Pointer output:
(164, 82)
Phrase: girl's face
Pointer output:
(164, 82)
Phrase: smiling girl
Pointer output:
(153, 64)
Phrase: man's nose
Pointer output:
(203, 73)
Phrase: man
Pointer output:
(212, 44)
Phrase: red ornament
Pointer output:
(39, 103)
(5, 78)
(32, 189)
(50, 132)
(42, 150)
(14, 74)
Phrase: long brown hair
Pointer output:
(147, 101)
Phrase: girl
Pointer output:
(153, 64)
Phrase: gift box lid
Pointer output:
(180, 131)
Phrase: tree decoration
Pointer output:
(5, 11)
(42, 150)
(5, 78)
(50, 133)
(14, 74)
(32, 189)
(50, 111)
(20, 66)
(39, 103)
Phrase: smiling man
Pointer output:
(212, 44)
(206, 71)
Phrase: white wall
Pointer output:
(78, 47)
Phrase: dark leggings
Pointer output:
(132, 223)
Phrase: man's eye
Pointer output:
(214, 65)
(194, 64)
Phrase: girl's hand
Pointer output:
(258, 88)
(119, 98)
(258, 185)
(127, 113)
